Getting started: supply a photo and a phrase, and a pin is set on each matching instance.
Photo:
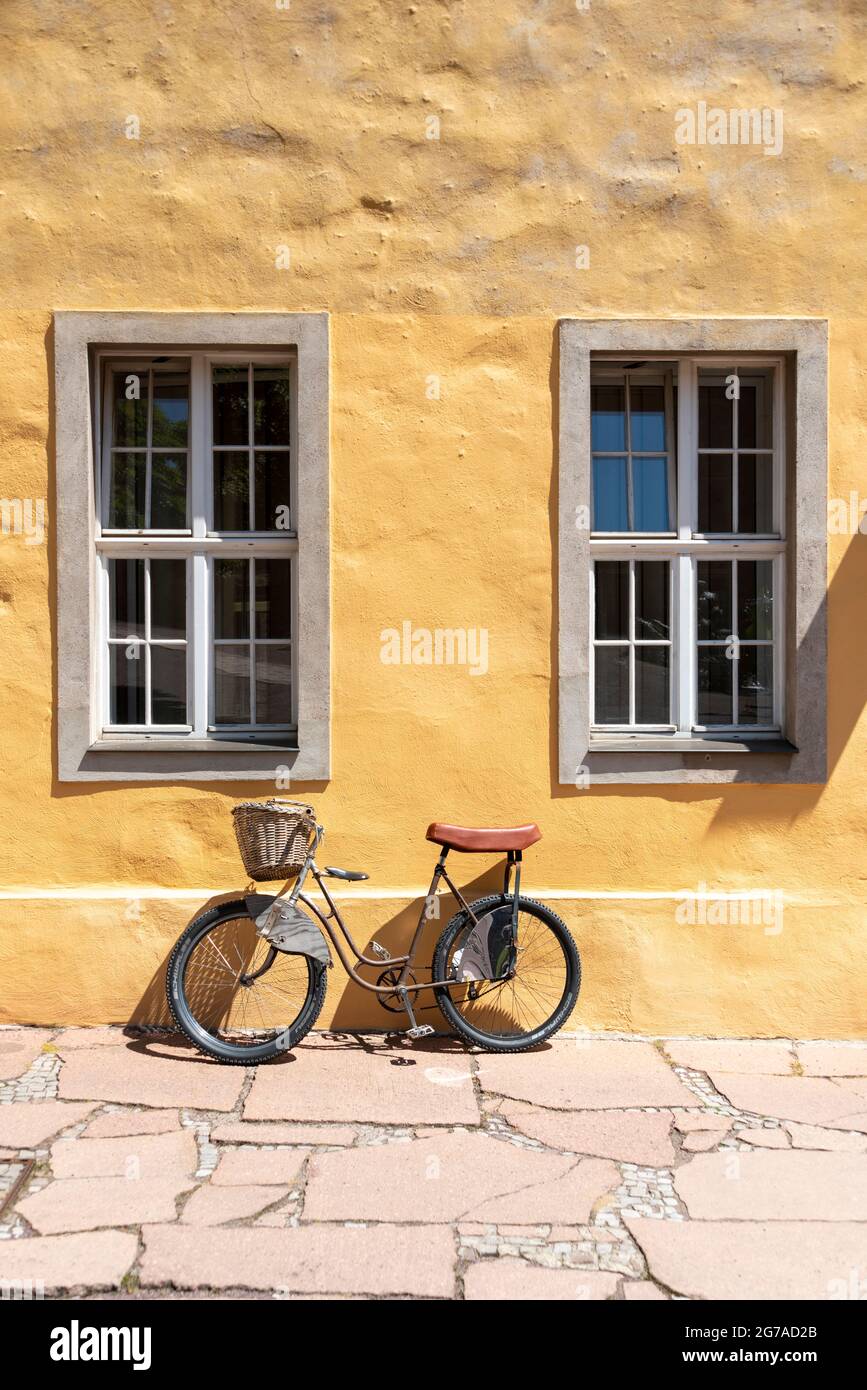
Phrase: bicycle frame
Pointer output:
(403, 987)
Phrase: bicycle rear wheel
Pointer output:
(533, 1002)
(234, 996)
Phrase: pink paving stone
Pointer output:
(457, 1176)
(764, 1138)
(65, 1262)
(248, 1132)
(810, 1100)
(792, 1186)
(643, 1291)
(833, 1059)
(239, 1167)
(577, 1074)
(27, 1124)
(378, 1084)
(212, 1206)
(135, 1157)
(133, 1076)
(701, 1140)
(123, 1122)
(752, 1058)
(513, 1279)
(94, 1037)
(836, 1140)
(688, 1124)
(618, 1134)
(85, 1204)
(750, 1260)
(19, 1048)
(379, 1259)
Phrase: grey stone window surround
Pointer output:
(801, 755)
(82, 753)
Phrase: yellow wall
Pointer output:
(454, 257)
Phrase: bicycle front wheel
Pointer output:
(236, 997)
(533, 1002)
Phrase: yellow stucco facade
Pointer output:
(441, 248)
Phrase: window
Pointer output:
(197, 544)
(193, 542)
(692, 550)
(687, 544)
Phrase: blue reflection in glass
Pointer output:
(609, 495)
(647, 418)
(650, 494)
(607, 425)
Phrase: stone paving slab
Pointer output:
(214, 1206)
(238, 1167)
(775, 1186)
(756, 1057)
(19, 1048)
(832, 1059)
(135, 1075)
(126, 1122)
(378, 1084)
(87, 1204)
(811, 1100)
(134, 1157)
(94, 1261)
(454, 1177)
(626, 1135)
(375, 1260)
(581, 1074)
(26, 1125)
(249, 1132)
(510, 1278)
(751, 1260)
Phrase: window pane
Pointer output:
(273, 685)
(756, 685)
(714, 492)
(714, 686)
(612, 599)
(169, 492)
(127, 666)
(652, 704)
(126, 502)
(607, 419)
(171, 410)
(650, 494)
(232, 491)
(130, 429)
(755, 412)
(715, 412)
(755, 482)
(609, 495)
(126, 598)
(168, 685)
(651, 600)
(273, 614)
(232, 685)
(271, 405)
(230, 405)
(714, 600)
(231, 599)
(647, 422)
(755, 600)
(271, 491)
(169, 598)
(612, 685)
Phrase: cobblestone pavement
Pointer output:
(364, 1166)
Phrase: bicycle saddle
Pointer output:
(467, 841)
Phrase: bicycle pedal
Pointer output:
(421, 1030)
(380, 951)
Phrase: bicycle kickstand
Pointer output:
(415, 1030)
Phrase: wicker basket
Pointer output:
(273, 837)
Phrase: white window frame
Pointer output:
(687, 546)
(199, 545)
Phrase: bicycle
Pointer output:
(505, 972)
